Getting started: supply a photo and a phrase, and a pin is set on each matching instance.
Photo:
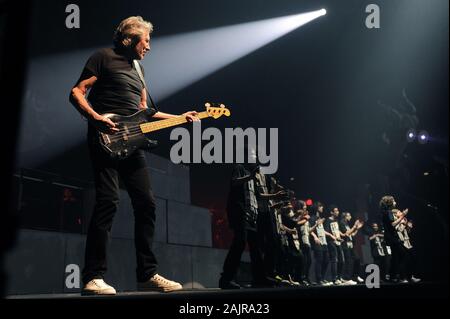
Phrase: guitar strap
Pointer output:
(137, 66)
(150, 143)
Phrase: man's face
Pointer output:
(335, 212)
(320, 209)
(348, 217)
(142, 47)
(375, 227)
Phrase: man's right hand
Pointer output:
(280, 193)
(104, 124)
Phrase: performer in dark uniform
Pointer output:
(381, 253)
(399, 252)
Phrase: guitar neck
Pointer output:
(159, 125)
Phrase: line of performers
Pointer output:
(283, 234)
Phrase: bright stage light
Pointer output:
(294, 21)
(423, 137)
(411, 135)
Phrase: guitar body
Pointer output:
(134, 129)
(130, 138)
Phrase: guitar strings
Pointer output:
(134, 131)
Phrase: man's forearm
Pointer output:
(267, 196)
(329, 234)
(241, 180)
(78, 100)
(398, 221)
(162, 115)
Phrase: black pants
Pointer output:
(295, 262)
(134, 173)
(352, 264)
(399, 261)
(321, 260)
(336, 261)
(267, 239)
(383, 262)
(411, 262)
(306, 261)
(233, 259)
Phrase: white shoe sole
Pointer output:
(160, 289)
(97, 293)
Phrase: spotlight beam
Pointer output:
(180, 60)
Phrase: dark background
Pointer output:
(319, 85)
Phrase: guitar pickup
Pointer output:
(127, 132)
(106, 138)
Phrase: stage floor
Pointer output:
(421, 290)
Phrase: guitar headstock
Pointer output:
(216, 110)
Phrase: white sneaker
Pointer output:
(348, 283)
(159, 283)
(293, 282)
(97, 287)
(337, 282)
(415, 280)
(359, 279)
(324, 283)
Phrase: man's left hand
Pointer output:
(191, 116)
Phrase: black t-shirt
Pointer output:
(288, 220)
(242, 205)
(263, 186)
(390, 233)
(118, 88)
(319, 230)
(348, 240)
(332, 226)
(378, 244)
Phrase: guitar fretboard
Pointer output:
(161, 124)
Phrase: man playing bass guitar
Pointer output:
(115, 86)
